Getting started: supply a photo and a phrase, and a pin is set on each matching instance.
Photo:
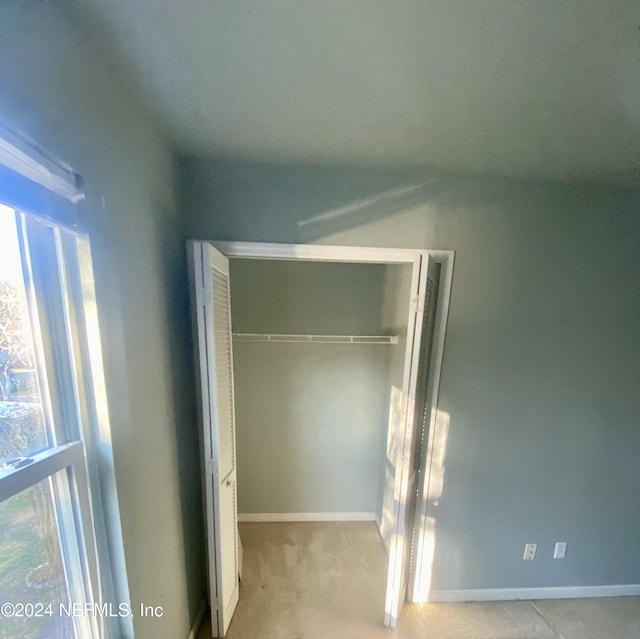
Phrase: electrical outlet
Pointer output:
(560, 550)
(530, 552)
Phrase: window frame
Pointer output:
(60, 325)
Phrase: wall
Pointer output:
(54, 88)
(539, 391)
(309, 417)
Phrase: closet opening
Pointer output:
(315, 374)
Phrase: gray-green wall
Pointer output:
(541, 372)
(57, 90)
(309, 417)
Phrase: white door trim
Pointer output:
(322, 252)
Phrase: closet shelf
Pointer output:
(316, 339)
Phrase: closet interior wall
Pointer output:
(311, 418)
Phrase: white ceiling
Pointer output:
(544, 89)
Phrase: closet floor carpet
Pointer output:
(326, 580)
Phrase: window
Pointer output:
(50, 584)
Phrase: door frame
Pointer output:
(382, 255)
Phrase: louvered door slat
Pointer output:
(224, 371)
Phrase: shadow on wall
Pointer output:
(314, 203)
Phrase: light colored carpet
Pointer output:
(326, 580)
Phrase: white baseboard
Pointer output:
(275, 517)
(198, 620)
(512, 594)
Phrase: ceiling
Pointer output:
(533, 89)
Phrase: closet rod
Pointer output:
(316, 339)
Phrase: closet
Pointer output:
(314, 396)
(312, 348)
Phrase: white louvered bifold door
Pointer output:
(212, 318)
(408, 433)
